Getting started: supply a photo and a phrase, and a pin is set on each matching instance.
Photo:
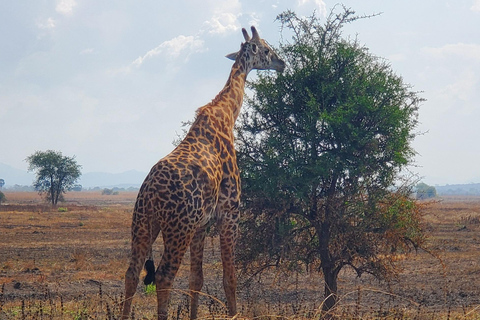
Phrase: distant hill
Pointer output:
(132, 178)
(14, 176)
(459, 189)
(126, 179)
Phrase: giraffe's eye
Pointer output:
(254, 48)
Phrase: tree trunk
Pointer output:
(330, 276)
(329, 262)
(52, 191)
(329, 269)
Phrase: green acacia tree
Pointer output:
(321, 148)
(55, 173)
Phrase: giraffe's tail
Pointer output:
(150, 268)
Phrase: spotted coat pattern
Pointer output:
(197, 182)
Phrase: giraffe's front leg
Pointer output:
(196, 270)
(228, 235)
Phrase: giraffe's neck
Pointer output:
(231, 97)
(218, 117)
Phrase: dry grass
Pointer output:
(69, 264)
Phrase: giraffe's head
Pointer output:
(255, 53)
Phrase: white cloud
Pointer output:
(185, 45)
(254, 19)
(222, 23)
(476, 6)
(87, 51)
(225, 18)
(463, 88)
(65, 7)
(320, 4)
(459, 50)
(49, 24)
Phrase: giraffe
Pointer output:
(197, 182)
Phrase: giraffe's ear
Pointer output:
(232, 56)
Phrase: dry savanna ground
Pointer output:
(69, 262)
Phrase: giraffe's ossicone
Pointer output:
(198, 181)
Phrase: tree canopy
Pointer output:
(321, 149)
(55, 173)
(424, 191)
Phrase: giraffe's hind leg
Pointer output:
(196, 270)
(228, 230)
(143, 236)
(140, 249)
(175, 247)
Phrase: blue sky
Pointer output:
(111, 81)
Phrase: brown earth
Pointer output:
(69, 262)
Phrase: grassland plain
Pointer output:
(69, 262)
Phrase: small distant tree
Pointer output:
(77, 187)
(110, 192)
(424, 191)
(2, 183)
(55, 174)
(2, 197)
